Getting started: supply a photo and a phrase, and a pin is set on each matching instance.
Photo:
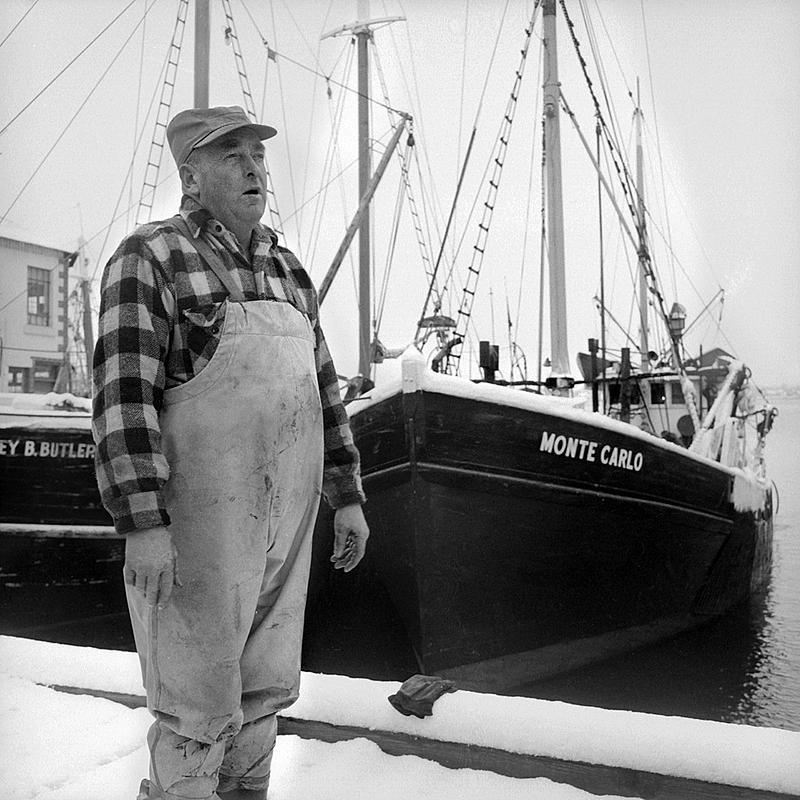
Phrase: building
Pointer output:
(33, 316)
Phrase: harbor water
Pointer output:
(741, 668)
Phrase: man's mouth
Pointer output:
(254, 192)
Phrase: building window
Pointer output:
(45, 374)
(38, 296)
(18, 379)
(677, 395)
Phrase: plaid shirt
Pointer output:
(159, 312)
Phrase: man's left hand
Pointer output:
(350, 534)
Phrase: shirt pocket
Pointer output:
(202, 330)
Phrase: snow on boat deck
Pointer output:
(77, 747)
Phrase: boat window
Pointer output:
(657, 394)
(677, 394)
(615, 393)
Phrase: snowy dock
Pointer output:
(576, 750)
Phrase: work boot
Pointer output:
(149, 792)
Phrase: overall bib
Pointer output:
(244, 442)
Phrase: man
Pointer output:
(218, 421)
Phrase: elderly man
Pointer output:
(218, 421)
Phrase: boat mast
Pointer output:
(560, 379)
(362, 30)
(202, 49)
(363, 35)
(644, 348)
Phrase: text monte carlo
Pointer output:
(589, 450)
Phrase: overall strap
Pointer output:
(211, 259)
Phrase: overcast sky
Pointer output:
(722, 148)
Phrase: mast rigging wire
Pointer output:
(75, 115)
(658, 149)
(66, 67)
(18, 22)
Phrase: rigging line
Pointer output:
(332, 153)
(436, 205)
(13, 299)
(138, 99)
(74, 116)
(105, 229)
(528, 203)
(658, 144)
(331, 80)
(283, 111)
(129, 172)
(601, 72)
(405, 183)
(18, 22)
(381, 304)
(490, 65)
(311, 125)
(446, 230)
(64, 69)
(613, 49)
(463, 84)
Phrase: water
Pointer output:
(744, 667)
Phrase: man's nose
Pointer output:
(250, 165)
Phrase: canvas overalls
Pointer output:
(244, 442)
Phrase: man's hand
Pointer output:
(350, 534)
(151, 564)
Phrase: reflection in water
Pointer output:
(770, 693)
(743, 667)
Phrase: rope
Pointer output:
(658, 147)
(74, 116)
(17, 24)
(114, 216)
(65, 68)
(286, 137)
(626, 182)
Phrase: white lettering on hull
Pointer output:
(30, 448)
(588, 450)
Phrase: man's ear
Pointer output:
(189, 183)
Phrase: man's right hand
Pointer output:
(151, 564)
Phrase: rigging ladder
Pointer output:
(473, 273)
(150, 182)
(249, 105)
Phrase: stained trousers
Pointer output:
(244, 442)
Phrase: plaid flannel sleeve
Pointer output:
(128, 376)
(341, 480)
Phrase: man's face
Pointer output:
(231, 180)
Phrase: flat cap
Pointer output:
(197, 127)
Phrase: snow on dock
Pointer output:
(59, 746)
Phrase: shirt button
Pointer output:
(215, 329)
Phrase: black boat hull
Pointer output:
(510, 557)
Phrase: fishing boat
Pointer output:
(520, 528)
